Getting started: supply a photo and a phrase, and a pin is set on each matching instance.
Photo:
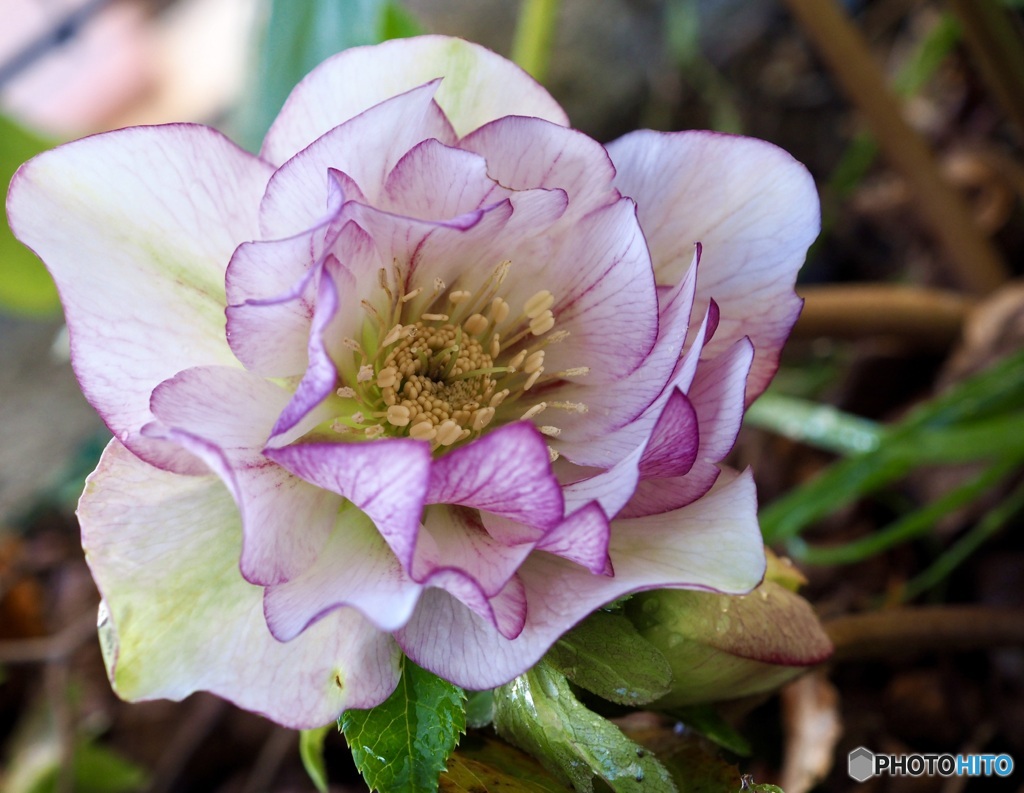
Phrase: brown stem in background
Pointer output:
(994, 38)
(895, 632)
(976, 264)
(929, 317)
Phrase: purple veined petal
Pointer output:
(621, 414)
(523, 153)
(611, 488)
(506, 472)
(285, 520)
(755, 209)
(365, 148)
(604, 296)
(434, 181)
(672, 448)
(712, 544)
(321, 376)
(149, 217)
(477, 86)
(717, 397)
(276, 283)
(582, 538)
(513, 230)
(164, 551)
(505, 613)
(455, 540)
(386, 479)
(357, 569)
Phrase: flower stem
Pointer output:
(535, 31)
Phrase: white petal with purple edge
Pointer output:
(753, 207)
(297, 193)
(713, 544)
(523, 153)
(352, 81)
(356, 568)
(506, 472)
(149, 218)
(164, 552)
(717, 398)
(386, 479)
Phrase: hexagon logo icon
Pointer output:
(861, 764)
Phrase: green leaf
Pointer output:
(539, 713)
(402, 745)
(298, 36)
(479, 709)
(492, 766)
(25, 286)
(607, 656)
(709, 723)
(311, 749)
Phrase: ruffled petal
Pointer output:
(365, 149)
(506, 472)
(712, 544)
(716, 397)
(179, 618)
(524, 153)
(754, 208)
(623, 413)
(436, 181)
(356, 568)
(478, 86)
(455, 540)
(386, 479)
(148, 219)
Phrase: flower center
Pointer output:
(442, 367)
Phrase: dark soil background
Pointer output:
(745, 65)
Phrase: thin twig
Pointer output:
(272, 755)
(202, 716)
(994, 37)
(882, 634)
(975, 263)
(929, 317)
(51, 648)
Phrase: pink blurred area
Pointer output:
(126, 63)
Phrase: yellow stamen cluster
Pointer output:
(448, 364)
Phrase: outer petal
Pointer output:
(356, 568)
(222, 416)
(164, 552)
(478, 86)
(754, 208)
(714, 544)
(148, 218)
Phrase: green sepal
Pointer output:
(539, 713)
(403, 744)
(607, 656)
(311, 750)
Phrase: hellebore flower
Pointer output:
(473, 382)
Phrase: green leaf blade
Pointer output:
(539, 713)
(311, 750)
(403, 744)
(607, 656)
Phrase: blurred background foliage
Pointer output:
(888, 452)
